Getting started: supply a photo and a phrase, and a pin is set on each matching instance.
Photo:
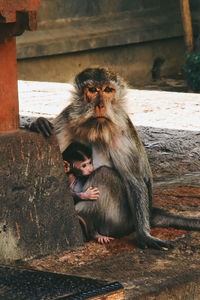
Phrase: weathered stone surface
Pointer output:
(174, 156)
(37, 215)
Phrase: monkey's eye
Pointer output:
(108, 89)
(83, 165)
(92, 89)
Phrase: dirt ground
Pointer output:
(152, 274)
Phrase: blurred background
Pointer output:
(140, 39)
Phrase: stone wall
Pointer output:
(125, 35)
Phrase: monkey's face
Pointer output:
(83, 168)
(101, 96)
(97, 111)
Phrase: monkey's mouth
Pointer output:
(100, 119)
(96, 120)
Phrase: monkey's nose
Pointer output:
(100, 110)
(101, 105)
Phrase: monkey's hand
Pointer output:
(91, 194)
(148, 241)
(42, 125)
(102, 239)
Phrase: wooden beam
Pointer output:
(9, 112)
(187, 24)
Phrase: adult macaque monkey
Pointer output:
(97, 117)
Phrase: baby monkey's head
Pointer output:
(78, 159)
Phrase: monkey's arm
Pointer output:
(139, 205)
(42, 125)
(60, 125)
(63, 131)
(89, 194)
(137, 177)
(77, 196)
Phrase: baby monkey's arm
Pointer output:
(90, 194)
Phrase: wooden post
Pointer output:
(16, 16)
(9, 112)
(187, 24)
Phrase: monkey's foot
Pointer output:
(152, 242)
(102, 239)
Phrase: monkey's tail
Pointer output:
(162, 218)
(83, 226)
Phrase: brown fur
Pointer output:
(97, 117)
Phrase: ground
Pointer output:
(145, 274)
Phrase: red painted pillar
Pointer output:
(9, 108)
(16, 16)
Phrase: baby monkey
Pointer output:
(78, 166)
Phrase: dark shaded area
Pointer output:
(173, 83)
(23, 284)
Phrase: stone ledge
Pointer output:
(168, 123)
(158, 109)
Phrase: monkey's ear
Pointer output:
(66, 166)
(83, 77)
(79, 82)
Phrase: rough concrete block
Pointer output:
(37, 215)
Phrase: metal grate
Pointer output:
(27, 284)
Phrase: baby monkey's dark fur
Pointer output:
(96, 117)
